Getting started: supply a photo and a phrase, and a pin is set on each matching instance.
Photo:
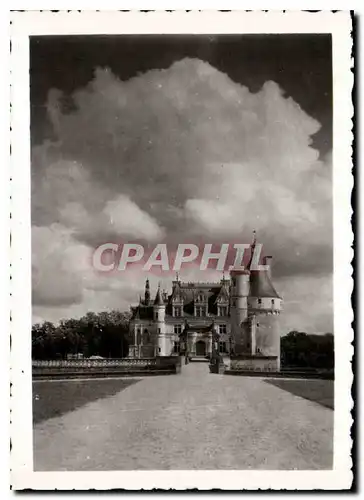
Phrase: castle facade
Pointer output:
(238, 317)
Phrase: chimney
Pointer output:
(267, 261)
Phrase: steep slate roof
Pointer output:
(223, 295)
(260, 281)
(158, 301)
(261, 285)
(142, 312)
(190, 291)
(177, 294)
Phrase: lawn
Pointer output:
(54, 398)
(320, 391)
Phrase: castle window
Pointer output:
(177, 329)
(222, 347)
(156, 315)
(222, 329)
(139, 337)
(159, 330)
(200, 311)
(177, 311)
(146, 337)
(222, 311)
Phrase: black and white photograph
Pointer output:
(185, 223)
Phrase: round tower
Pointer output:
(239, 293)
(159, 312)
(264, 305)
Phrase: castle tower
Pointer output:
(242, 321)
(239, 293)
(159, 312)
(147, 293)
(255, 308)
(265, 305)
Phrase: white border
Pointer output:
(43, 23)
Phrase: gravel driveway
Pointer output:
(195, 420)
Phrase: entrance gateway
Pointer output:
(200, 348)
(198, 339)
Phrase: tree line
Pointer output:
(106, 334)
(103, 334)
(302, 350)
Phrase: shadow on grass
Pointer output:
(320, 391)
(55, 398)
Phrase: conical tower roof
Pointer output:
(261, 285)
(158, 301)
(252, 248)
(260, 281)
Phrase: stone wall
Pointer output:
(267, 336)
(106, 367)
(254, 363)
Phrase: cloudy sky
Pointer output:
(178, 139)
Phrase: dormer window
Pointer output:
(146, 336)
(200, 311)
(222, 311)
(177, 311)
(138, 337)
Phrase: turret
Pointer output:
(147, 293)
(239, 293)
(177, 299)
(255, 305)
(159, 312)
(263, 296)
(265, 306)
(159, 307)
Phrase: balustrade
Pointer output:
(92, 363)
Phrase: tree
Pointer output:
(299, 349)
(43, 341)
(104, 334)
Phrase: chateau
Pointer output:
(238, 317)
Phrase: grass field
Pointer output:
(320, 391)
(55, 398)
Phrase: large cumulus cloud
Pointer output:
(181, 153)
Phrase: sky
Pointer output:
(189, 137)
